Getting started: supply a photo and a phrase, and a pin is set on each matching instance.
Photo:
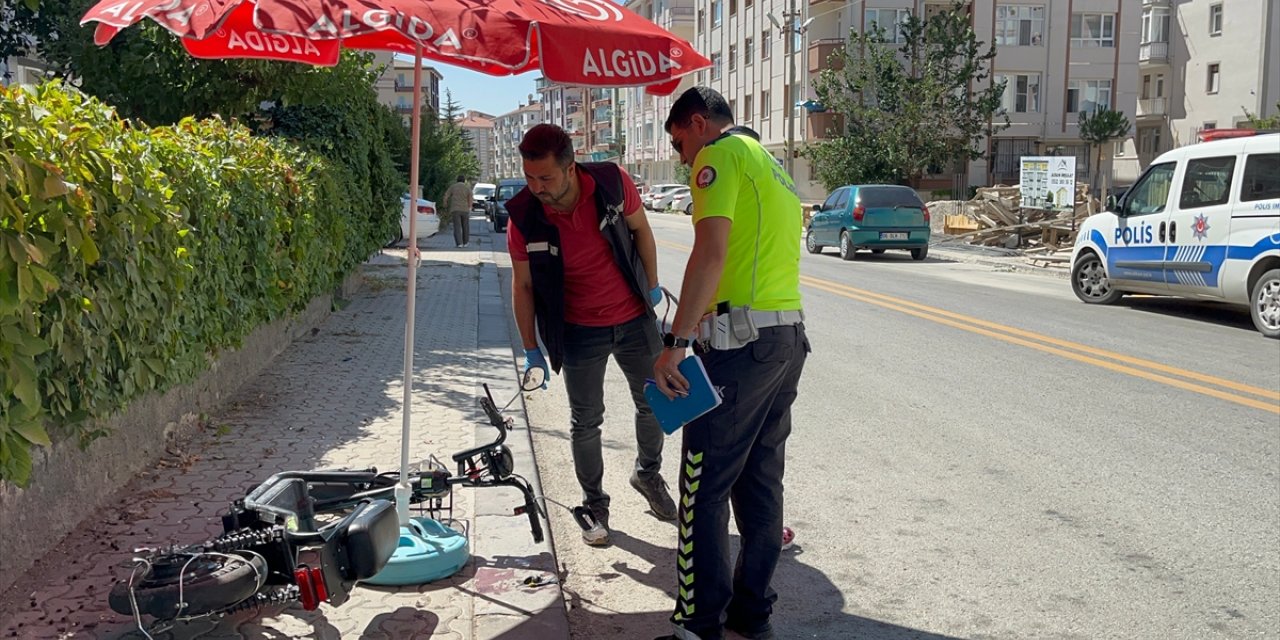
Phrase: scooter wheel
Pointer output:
(209, 583)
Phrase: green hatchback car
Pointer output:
(874, 216)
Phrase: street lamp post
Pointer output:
(791, 18)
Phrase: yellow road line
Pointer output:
(1055, 346)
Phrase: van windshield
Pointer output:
(485, 191)
(509, 191)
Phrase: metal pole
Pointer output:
(792, 30)
(415, 129)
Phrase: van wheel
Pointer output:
(811, 243)
(920, 253)
(1265, 304)
(847, 252)
(1089, 281)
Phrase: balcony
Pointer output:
(1153, 53)
(1152, 108)
(820, 52)
(404, 87)
(824, 125)
(1155, 3)
(818, 2)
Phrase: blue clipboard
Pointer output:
(702, 398)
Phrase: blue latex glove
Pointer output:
(655, 295)
(533, 358)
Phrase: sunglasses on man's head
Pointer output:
(678, 145)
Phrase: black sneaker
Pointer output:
(654, 489)
(598, 534)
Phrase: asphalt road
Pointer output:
(976, 454)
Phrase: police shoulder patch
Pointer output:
(706, 176)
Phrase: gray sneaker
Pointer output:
(598, 534)
(654, 489)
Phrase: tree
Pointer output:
(1098, 129)
(908, 108)
(20, 25)
(444, 151)
(1255, 121)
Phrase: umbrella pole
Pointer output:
(415, 129)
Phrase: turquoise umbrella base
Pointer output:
(428, 551)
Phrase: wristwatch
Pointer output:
(671, 341)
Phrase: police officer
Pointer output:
(745, 262)
(585, 273)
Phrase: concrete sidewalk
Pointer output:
(333, 400)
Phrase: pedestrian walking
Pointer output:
(740, 312)
(457, 203)
(585, 274)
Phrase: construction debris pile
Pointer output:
(995, 218)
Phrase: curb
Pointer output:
(502, 540)
(1015, 264)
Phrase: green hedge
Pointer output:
(130, 255)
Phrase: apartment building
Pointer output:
(1202, 63)
(1060, 58)
(648, 148)
(395, 84)
(479, 127)
(563, 106)
(508, 129)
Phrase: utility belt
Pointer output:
(735, 327)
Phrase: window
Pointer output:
(797, 42)
(1021, 94)
(715, 66)
(765, 45)
(702, 20)
(888, 19)
(1088, 95)
(1155, 25)
(1209, 126)
(832, 199)
(747, 4)
(733, 106)
(733, 7)
(1207, 182)
(1212, 78)
(748, 53)
(1152, 191)
(766, 109)
(716, 8)
(1261, 177)
(1215, 19)
(746, 107)
(1019, 26)
(1093, 30)
(733, 57)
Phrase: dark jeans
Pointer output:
(635, 346)
(461, 226)
(736, 454)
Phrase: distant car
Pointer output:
(663, 202)
(683, 203)
(480, 195)
(876, 217)
(657, 191)
(428, 222)
(507, 189)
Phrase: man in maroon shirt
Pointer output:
(585, 276)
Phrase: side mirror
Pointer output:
(1112, 203)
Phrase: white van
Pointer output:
(1203, 222)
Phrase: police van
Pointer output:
(1202, 222)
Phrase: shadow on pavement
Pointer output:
(1215, 312)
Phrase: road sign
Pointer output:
(1048, 182)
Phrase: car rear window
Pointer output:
(509, 191)
(1261, 177)
(889, 197)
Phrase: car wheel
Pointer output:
(920, 253)
(688, 209)
(811, 242)
(847, 252)
(1265, 304)
(877, 252)
(1090, 283)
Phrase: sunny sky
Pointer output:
(492, 95)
